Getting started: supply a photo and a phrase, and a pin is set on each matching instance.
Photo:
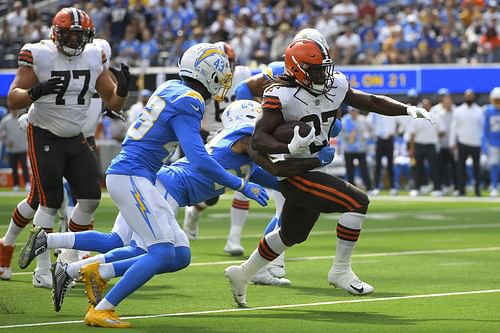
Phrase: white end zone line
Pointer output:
(273, 307)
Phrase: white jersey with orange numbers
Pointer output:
(63, 114)
(95, 108)
(211, 119)
(296, 103)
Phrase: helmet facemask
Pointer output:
(227, 81)
(72, 42)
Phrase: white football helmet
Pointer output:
(495, 97)
(239, 112)
(207, 64)
(314, 35)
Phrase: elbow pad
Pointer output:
(242, 91)
(336, 128)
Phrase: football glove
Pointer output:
(326, 155)
(23, 122)
(51, 86)
(300, 145)
(113, 114)
(122, 79)
(255, 192)
(416, 112)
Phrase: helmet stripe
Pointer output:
(75, 17)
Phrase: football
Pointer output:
(284, 132)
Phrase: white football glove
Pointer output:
(23, 122)
(300, 145)
(416, 112)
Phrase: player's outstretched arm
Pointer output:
(384, 105)
(187, 130)
(283, 168)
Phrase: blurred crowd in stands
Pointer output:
(156, 32)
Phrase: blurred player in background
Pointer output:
(491, 138)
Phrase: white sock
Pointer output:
(274, 241)
(344, 248)
(104, 304)
(11, 234)
(239, 215)
(64, 240)
(74, 268)
(43, 262)
(107, 271)
(23, 213)
(253, 264)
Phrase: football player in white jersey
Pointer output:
(211, 125)
(312, 92)
(57, 78)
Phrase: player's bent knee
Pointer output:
(182, 257)
(212, 202)
(290, 238)
(88, 206)
(364, 202)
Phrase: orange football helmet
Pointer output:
(309, 63)
(72, 29)
(229, 51)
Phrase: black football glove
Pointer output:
(113, 114)
(122, 78)
(51, 86)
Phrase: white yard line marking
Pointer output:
(274, 307)
(364, 255)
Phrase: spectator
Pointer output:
(137, 108)
(348, 45)
(243, 44)
(148, 49)
(100, 15)
(14, 140)
(490, 44)
(466, 133)
(355, 133)
(129, 48)
(120, 19)
(280, 42)
(178, 47)
(16, 18)
(423, 139)
(448, 45)
(345, 12)
(447, 167)
(367, 8)
(327, 25)
(369, 48)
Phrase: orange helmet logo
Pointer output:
(72, 29)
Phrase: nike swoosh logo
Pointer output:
(359, 290)
(36, 279)
(197, 108)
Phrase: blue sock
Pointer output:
(158, 257)
(494, 176)
(181, 260)
(272, 225)
(97, 241)
(122, 253)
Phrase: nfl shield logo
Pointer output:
(46, 148)
(316, 102)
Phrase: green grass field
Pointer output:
(434, 265)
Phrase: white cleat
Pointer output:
(191, 226)
(494, 193)
(413, 193)
(350, 283)
(42, 279)
(374, 192)
(394, 192)
(263, 277)
(5, 273)
(234, 249)
(238, 283)
(277, 266)
(436, 193)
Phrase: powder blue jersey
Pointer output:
(151, 139)
(189, 186)
(492, 125)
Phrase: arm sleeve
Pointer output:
(264, 179)
(242, 91)
(187, 130)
